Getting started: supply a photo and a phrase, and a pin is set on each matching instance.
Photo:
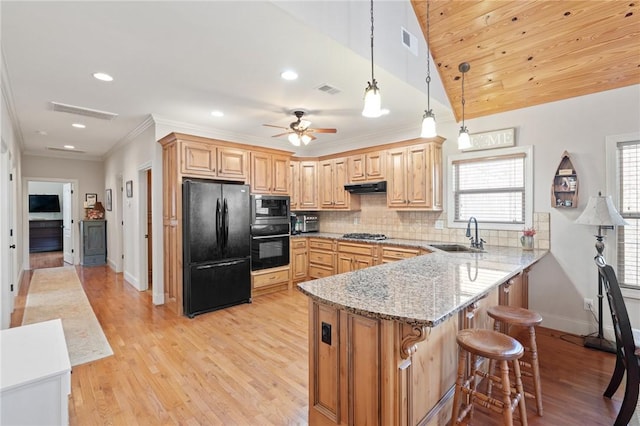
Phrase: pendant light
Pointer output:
(464, 141)
(372, 101)
(429, 118)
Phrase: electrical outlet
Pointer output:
(588, 304)
(439, 224)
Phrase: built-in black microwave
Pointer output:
(269, 209)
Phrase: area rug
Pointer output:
(57, 293)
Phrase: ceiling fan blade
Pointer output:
(312, 137)
(280, 134)
(322, 130)
(277, 127)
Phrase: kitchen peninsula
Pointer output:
(382, 346)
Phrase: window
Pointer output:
(628, 182)
(494, 187)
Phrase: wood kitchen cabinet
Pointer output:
(333, 176)
(304, 185)
(354, 256)
(368, 166)
(414, 176)
(270, 173)
(205, 159)
(322, 257)
(299, 259)
(269, 280)
(394, 253)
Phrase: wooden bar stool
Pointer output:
(511, 315)
(499, 348)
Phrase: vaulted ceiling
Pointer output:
(180, 60)
(525, 53)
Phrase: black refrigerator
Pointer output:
(216, 246)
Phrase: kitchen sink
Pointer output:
(456, 248)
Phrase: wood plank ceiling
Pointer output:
(525, 53)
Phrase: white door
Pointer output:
(67, 223)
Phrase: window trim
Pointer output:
(613, 189)
(528, 185)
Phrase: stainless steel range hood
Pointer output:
(366, 187)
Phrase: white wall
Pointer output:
(124, 163)
(11, 263)
(580, 126)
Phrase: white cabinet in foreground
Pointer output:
(35, 375)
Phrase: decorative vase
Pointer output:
(527, 242)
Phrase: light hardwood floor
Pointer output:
(247, 365)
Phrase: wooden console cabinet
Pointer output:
(45, 235)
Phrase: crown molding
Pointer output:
(7, 96)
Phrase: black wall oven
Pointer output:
(269, 246)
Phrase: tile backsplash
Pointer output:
(374, 217)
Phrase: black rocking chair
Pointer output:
(627, 353)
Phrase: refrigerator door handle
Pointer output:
(225, 221)
(218, 223)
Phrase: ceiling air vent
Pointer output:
(76, 151)
(327, 88)
(87, 112)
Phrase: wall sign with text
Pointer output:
(494, 139)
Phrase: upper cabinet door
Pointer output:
(232, 163)
(280, 175)
(375, 163)
(198, 159)
(308, 195)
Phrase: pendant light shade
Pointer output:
(464, 141)
(429, 118)
(428, 125)
(372, 100)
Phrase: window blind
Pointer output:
(629, 200)
(492, 189)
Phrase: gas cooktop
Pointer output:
(365, 236)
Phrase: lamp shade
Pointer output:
(600, 211)
(294, 139)
(372, 102)
(428, 125)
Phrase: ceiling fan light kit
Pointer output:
(464, 140)
(429, 118)
(372, 100)
(299, 131)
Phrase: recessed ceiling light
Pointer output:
(217, 113)
(289, 75)
(78, 125)
(102, 76)
(70, 147)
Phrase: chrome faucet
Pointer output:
(475, 242)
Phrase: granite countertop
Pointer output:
(424, 290)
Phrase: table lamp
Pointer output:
(600, 212)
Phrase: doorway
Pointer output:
(49, 222)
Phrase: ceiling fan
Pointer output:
(299, 131)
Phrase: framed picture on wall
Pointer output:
(129, 188)
(91, 199)
(107, 200)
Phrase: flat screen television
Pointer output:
(47, 203)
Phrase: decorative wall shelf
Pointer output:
(564, 188)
